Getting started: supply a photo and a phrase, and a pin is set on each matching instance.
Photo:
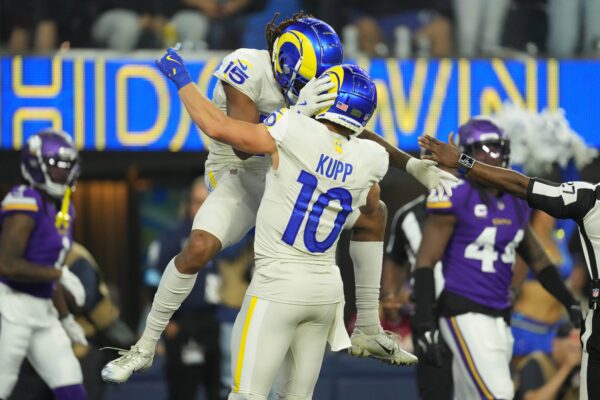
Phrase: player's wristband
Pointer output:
(465, 163)
(181, 79)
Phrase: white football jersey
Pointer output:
(321, 178)
(250, 72)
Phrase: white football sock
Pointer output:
(368, 260)
(172, 290)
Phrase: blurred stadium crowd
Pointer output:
(438, 28)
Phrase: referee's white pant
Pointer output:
(271, 339)
(481, 348)
(590, 363)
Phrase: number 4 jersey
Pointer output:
(321, 178)
(479, 258)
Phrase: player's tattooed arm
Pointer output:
(242, 108)
(447, 155)
(16, 231)
(532, 251)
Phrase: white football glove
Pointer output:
(74, 330)
(314, 96)
(430, 176)
(73, 285)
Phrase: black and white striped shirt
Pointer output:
(406, 235)
(579, 201)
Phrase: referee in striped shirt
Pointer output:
(433, 382)
(579, 201)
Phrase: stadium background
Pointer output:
(140, 151)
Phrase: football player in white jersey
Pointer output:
(252, 84)
(320, 174)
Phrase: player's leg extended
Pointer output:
(226, 216)
(304, 358)
(14, 341)
(262, 334)
(366, 250)
(481, 351)
(51, 355)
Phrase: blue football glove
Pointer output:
(171, 64)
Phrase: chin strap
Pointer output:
(63, 219)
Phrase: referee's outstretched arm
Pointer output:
(567, 200)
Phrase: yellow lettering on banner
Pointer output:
(464, 90)
(490, 101)
(531, 82)
(183, 128)
(33, 114)
(440, 89)
(553, 84)
(150, 135)
(407, 112)
(508, 84)
(79, 100)
(384, 113)
(100, 100)
(36, 91)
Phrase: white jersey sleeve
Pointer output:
(240, 69)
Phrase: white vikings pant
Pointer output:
(269, 338)
(43, 341)
(230, 210)
(481, 352)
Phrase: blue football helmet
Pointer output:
(304, 50)
(356, 97)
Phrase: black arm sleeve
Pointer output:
(553, 283)
(567, 200)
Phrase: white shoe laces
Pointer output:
(128, 357)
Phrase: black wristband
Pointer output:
(553, 283)
(424, 299)
(465, 163)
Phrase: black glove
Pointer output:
(575, 316)
(429, 348)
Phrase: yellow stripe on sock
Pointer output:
(240, 358)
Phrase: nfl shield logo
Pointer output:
(595, 292)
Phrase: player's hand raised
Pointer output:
(444, 154)
(315, 96)
(172, 65)
(426, 172)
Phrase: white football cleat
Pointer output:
(132, 360)
(383, 346)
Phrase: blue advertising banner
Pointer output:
(126, 104)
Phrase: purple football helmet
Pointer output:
(484, 141)
(50, 162)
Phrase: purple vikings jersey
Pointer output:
(478, 261)
(47, 245)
